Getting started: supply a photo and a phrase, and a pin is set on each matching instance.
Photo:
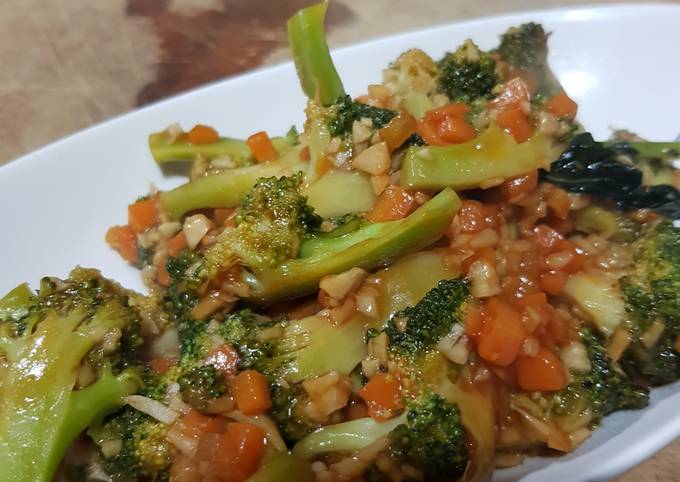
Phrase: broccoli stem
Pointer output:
(313, 62)
(368, 247)
(226, 189)
(182, 150)
(651, 149)
(40, 414)
(345, 437)
(283, 466)
(482, 162)
(16, 304)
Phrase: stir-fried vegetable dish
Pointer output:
(433, 279)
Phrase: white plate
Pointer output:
(619, 63)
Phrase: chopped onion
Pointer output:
(618, 343)
(153, 408)
(375, 160)
(486, 238)
(195, 227)
(327, 394)
(166, 345)
(169, 229)
(210, 303)
(338, 286)
(575, 357)
(343, 312)
(530, 346)
(579, 436)
(111, 447)
(366, 299)
(651, 336)
(379, 183)
(355, 465)
(186, 444)
(508, 459)
(483, 279)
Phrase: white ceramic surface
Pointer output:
(619, 63)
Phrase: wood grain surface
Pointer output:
(68, 64)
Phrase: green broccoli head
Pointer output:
(418, 328)
(526, 48)
(603, 389)
(134, 447)
(82, 325)
(432, 438)
(288, 412)
(651, 295)
(341, 115)
(200, 384)
(272, 222)
(241, 330)
(468, 73)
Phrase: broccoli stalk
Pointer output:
(226, 189)
(318, 76)
(164, 149)
(368, 247)
(476, 163)
(41, 411)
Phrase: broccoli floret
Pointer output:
(603, 389)
(344, 112)
(526, 48)
(468, 73)
(272, 222)
(143, 453)
(288, 412)
(241, 330)
(63, 326)
(200, 384)
(432, 438)
(418, 328)
(651, 295)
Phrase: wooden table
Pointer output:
(67, 64)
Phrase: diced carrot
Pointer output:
(400, 128)
(251, 392)
(492, 215)
(471, 217)
(177, 244)
(553, 281)
(545, 237)
(536, 311)
(261, 146)
(195, 424)
(304, 154)
(502, 335)
(123, 240)
(515, 122)
(562, 106)
(516, 188)
(430, 133)
(239, 452)
(394, 203)
(225, 359)
(200, 134)
(486, 254)
(449, 110)
(513, 94)
(558, 200)
(162, 365)
(456, 130)
(541, 372)
(162, 275)
(382, 395)
(143, 215)
(578, 257)
(534, 299)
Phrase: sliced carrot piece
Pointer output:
(239, 452)
(143, 215)
(262, 147)
(515, 122)
(516, 188)
(394, 203)
(562, 105)
(553, 281)
(502, 335)
(201, 134)
(195, 424)
(123, 240)
(541, 372)
(162, 275)
(382, 395)
(471, 216)
(177, 244)
(398, 130)
(251, 392)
